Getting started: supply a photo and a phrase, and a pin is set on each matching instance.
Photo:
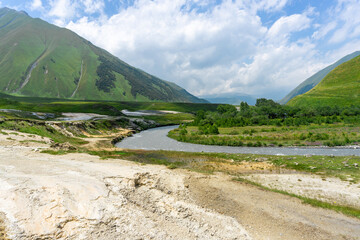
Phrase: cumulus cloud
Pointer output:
(283, 27)
(324, 30)
(211, 46)
(347, 15)
(270, 5)
(62, 9)
(36, 5)
(226, 49)
(93, 6)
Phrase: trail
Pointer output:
(28, 76)
(8, 23)
(269, 215)
(78, 84)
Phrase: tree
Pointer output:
(226, 108)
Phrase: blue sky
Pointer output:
(258, 47)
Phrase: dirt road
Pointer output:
(78, 196)
(269, 215)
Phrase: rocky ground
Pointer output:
(78, 196)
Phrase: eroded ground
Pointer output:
(78, 196)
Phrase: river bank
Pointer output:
(157, 139)
(81, 196)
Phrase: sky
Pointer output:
(263, 48)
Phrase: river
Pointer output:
(156, 139)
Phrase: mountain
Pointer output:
(230, 98)
(39, 59)
(341, 87)
(312, 81)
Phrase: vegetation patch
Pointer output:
(353, 212)
(33, 141)
(111, 108)
(271, 124)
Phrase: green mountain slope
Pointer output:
(42, 60)
(341, 87)
(312, 81)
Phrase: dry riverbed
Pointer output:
(78, 196)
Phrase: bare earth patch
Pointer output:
(78, 196)
(269, 215)
(3, 235)
(332, 190)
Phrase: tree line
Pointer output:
(268, 112)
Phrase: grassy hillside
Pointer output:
(341, 87)
(54, 105)
(312, 81)
(43, 60)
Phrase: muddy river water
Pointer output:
(156, 139)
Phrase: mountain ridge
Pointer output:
(315, 79)
(341, 87)
(43, 60)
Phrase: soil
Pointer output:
(78, 196)
(269, 215)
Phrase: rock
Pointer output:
(63, 146)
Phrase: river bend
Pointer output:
(156, 139)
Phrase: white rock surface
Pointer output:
(77, 196)
(327, 189)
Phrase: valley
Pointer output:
(92, 147)
(82, 196)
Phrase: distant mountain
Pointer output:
(39, 59)
(230, 98)
(312, 81)
(341, 87)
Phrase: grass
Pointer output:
(257, 136)
(343, 167)
(315, 79)
(67, 62)
(41, 130)
(353, 212)
(340, 87)
(207, 163)
(171, 119)
(33, 141)
(112, 108)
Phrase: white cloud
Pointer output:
(324, 30)
(284, 26)
(270, 5)
(62, 9)
(93, 6)
(192, 49)
(36, 5)
(209, 47)
(347, 15)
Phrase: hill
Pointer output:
(42, 60)
(312, 81)
(231, 98)
(341, 87)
